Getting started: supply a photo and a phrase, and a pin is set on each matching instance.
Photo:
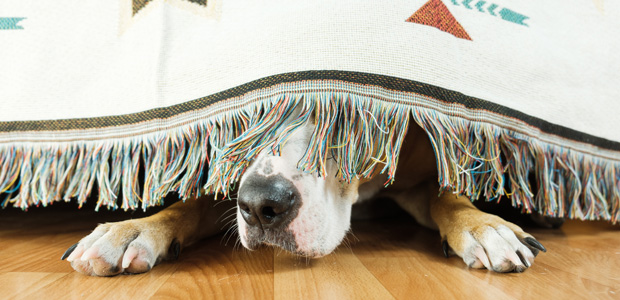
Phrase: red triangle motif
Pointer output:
(434, 13)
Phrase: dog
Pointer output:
(309, 215)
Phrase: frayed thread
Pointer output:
(364, 134)
(481, 160)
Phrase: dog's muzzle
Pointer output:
(268, 204)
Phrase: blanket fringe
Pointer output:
(482, 160)
(476, 159)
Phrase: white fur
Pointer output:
(97, 254)
(495, 249)
(325, 213)
(322, 220)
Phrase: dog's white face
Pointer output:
(282, 206)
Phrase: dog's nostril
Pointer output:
(244, 208)
(267, 201)
(268, 212)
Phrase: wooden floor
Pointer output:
(386, 259)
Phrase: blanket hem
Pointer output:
(362, 124)
(383, 81)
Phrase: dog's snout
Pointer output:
(267, 201)
(266, 212)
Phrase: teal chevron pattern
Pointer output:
(512, 16)
(494, 10)
(10, 23)
(466, 4)
(491, 9)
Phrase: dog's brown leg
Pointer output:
(481, 239)
(135, 246)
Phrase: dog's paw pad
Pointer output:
(498, 248)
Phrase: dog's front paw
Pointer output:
(133, 246)
(496, 245)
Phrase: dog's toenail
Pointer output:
(534, 243)
(69, 251)
(523, 260)
(446, 248)
(175, 249)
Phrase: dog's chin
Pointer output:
(293, 242)
(289, 247)
(254, 238)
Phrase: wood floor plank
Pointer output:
(34, 241)
(407, 259)
(78, 286)
(39, 254)
(387, 258)
(584, 257)
(211, 270)
(572, 266)
(338, 276)
(14, 284)
(414, 279)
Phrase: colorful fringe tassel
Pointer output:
(474, 158)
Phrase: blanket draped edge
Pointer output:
(482, 150)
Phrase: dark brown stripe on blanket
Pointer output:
(387, 82)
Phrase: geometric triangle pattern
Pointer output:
(434, 13)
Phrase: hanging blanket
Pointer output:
(131, 100)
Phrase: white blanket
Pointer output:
(95, 91)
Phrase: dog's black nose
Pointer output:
(267, 201)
